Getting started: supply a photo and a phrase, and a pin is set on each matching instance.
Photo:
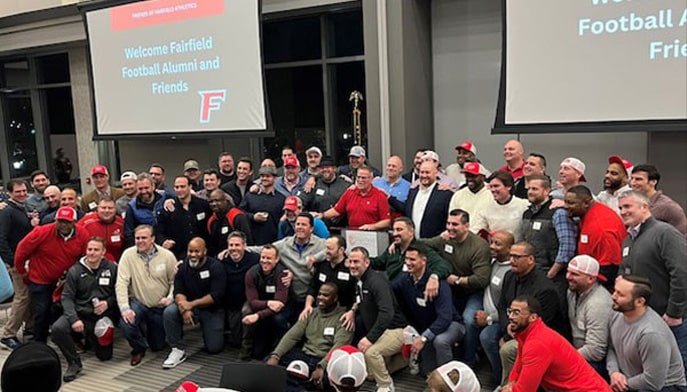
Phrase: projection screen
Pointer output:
(576, 65)
(176, 67)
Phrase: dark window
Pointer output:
(15, 74)
(60, 111)
(291, 40)
(53, 68)
(345, 34)
(297, 107)
(21, 134)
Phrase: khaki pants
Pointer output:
(390, 343)
(508, 353)
(21, 306)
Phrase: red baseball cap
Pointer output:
(467, 146)
(291, 203)
(627, 165)
(475, 168)
(99, 169)
(292, 161)
(66, 213)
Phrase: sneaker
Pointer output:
(176, 357)
(388, 388)
(72, 371)
(9, 343)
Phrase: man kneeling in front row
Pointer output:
(88, 296)
(321, 332)
(199, 287)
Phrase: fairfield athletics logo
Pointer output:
(210, 101)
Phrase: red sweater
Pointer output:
(546, 358)
(112, 233)
(50, 255)
(602, 233)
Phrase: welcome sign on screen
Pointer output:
(177, 66)
(594, 61)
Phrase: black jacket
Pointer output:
(183, 225)
(436, 212)
(378, 306)
(15, 224)
(540, 287)
(83, 284)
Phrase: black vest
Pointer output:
(538, 230)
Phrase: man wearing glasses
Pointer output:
(525, 277)
(366, 207)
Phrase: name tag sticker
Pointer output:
(92, 205)
(343, 276)
(448, 248)
(322, 278)
(584, 239)
(421, 302)
(115, 238)
(626, 251)
(160, 268)
(204, 274)
(405, 268)
(104, 281)
(271, 289)
(536, 226)
(200, 216)
(319, 192)
(357, 299)
(224, 230)
(495, 280)
(329, 331)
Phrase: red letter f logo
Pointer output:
(209, 102)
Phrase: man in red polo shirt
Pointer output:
(601, 233)
(366, 207)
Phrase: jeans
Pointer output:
(211, 322)
(467, 307)
(147, 330)
(680, 333)
(261, 338)
(41, 307)
(440, 350)
(489, 338)
(62, 336)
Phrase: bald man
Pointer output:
(51, 195)
(514, 154)
(199, 288)
(393, 184)
(68, 198)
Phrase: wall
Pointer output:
(466, 50)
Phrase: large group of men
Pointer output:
(557, 287)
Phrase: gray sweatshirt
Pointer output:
(645, 351)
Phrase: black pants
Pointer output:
(62, 336)
(610, 272)
(42, 310)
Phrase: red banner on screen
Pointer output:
(150, 13)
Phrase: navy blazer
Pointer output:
(436, 212)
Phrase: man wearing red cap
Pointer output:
(51, 249)
(88, 295)
(466, 152)
(293, 206)
(101, 179)
(476, 192)
(291, 183)
(616, 181)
